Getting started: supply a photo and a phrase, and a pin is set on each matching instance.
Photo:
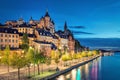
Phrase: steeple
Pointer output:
(65, 26)
(47, 14)
(31, 19)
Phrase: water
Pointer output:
(103, 68)
(101, 43)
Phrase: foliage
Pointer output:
(57, 61)
(90, 53)
(95, 52)
(25, 39)
(53, 54)
(84, 53)
(25, 42)
(48, 60)
(6, 57)
(17, 61)
(30, 55)
(66, 57)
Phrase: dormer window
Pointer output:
(40, 33)
(14, 31)
(6, 31)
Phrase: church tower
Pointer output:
(31, 21)
(65, 28)
(47, 19)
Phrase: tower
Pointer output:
(47, 19)
(31, 21)
(65, 28)
(20, 21)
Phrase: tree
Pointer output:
(30, 58)
(84, 54)
(6, 57)
(57, 61)
(37, 59)
(90, 53)
(17, 61)
(95, 52)
(25, 43)
(0, 55)
(48, 61)
(42, 60)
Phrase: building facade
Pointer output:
(9, 37)
(41, 34)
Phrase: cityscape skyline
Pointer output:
(100, 18)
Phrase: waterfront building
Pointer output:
(41, 34)
(9, 37)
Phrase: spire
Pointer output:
(31, 19)
(47, 14)
(65, 26)
(21, 19)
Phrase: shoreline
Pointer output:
(51, 77)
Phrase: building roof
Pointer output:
(8, 30)
(47, 14)
(54, 36)
(29, 35)
(25, 25)
(44, 32)
(42, 42)
(61, 34)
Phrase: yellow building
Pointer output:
(9, 37)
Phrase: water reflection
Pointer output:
(78, 75)
(89, 71)
(73, 76)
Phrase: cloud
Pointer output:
(77, 27)
(81, 32)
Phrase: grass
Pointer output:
(45, 74)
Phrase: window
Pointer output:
(16, 41)
(1, 40)
(5, 35)
(12, 35)
(9, 35)
(12, 45)
(9, 40)
(5, 40)
(16, 36)
(12, 40)
(1, 35)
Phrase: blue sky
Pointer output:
(101, 18)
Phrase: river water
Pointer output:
(103, 68)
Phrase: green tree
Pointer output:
(95, 52)
(6, 57)
(90, 53)
(48, 61)
(57, 61)
(30, 58)
(42, 60)
(25, 43)
(84, 54)
(37, 59)
(17, 61)
(0, 51)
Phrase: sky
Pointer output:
(100, 18)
